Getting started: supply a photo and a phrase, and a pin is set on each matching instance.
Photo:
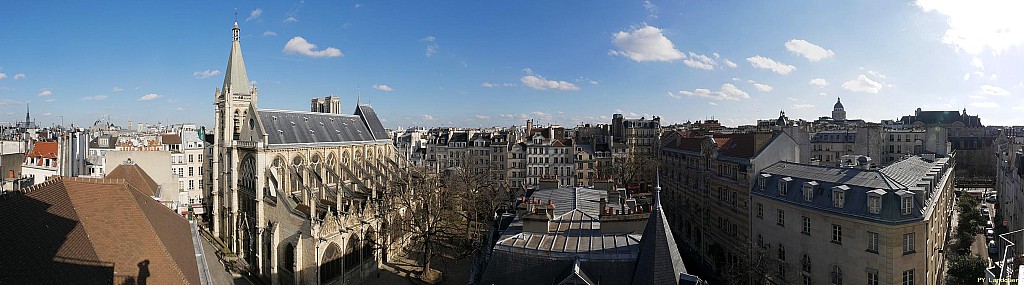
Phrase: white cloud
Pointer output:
(802, 106)
(729, 63)
(727, 92)
(47, 114)
(51, 100)
(540, 83)
(269, 34)
(712, 103)
(149, 97)
(984, 104)
(301, 46)
(808, 50)
(976, 62)
(763, 87)
(976, 26)
(863, 84)
(482, 117)
(431, 45)
(700, 61)
(506, 115)
(967, 76)
(646, 43)
(541, 115)
(652, 11)
(382, 87)
(9, 102)
(255, 14)
(291, 19)
(791, 98)
(19, 76)
(95, 98)
(205, 73)
(45, 93)
(118, 89)
(767, 63)
(818, 82)
(3, 75)
(492, 85)
(993, 90)
(428, 118)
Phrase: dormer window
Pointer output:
(784, 185)
(809, 190)
(839, 196)
(875, 201)
(763, 181)
(906, 201)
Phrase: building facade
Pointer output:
(293, 191)
(829, 225)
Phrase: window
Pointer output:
(873, 242)
(807, 280)
(908, 277)
(805, 263)
(760, 240)
(839, 196)
(874, 204)
(908, 243)
(837, 234)
(784, 185)
(782, 253)
(809, 190)
(191, 171)
(760, 210)
(190, 158)
(807, 226)
(837, 275)
(763, 181)
(782, 218)
(907, 204)
(873, 277)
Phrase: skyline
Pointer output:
(476, 65)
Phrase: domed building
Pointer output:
(838, 113)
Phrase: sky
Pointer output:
(498, 63)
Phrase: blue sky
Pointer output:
(487, 63)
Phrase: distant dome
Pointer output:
(839, 105)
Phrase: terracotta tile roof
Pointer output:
(82, 230)
(170, 139)
(44, 150)
(135, 176)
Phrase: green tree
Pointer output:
(969, 223)
(966, 269)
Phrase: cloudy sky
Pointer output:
(486, 63)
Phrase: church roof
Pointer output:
(93, 231)
(297, 127)
(236, 80)
(838, 105)
(372, 122)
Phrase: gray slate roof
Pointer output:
(659, 261)
(372, 122)
(296, 127)
(902, 175)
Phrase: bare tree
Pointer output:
(425, 211)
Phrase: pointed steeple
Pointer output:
(27, 117)
(236, 81)
(659, 261)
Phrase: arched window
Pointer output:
(289, 258)
(331, 264)
(368, 247)
(352, 253)
(837, 275)
(237, 125)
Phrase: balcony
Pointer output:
(243, 144)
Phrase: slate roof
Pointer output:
(236, 80)
(941, 118)
(372, 122)
(731, 145)
(902, 175)
(659, 261)
(93, 231)
(297, 127)
(135, 176)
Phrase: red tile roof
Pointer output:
(44, 150)
(82, 230)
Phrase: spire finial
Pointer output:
(359, 92)
(657, 190)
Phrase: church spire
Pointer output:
(236, 81)
(27, 117)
